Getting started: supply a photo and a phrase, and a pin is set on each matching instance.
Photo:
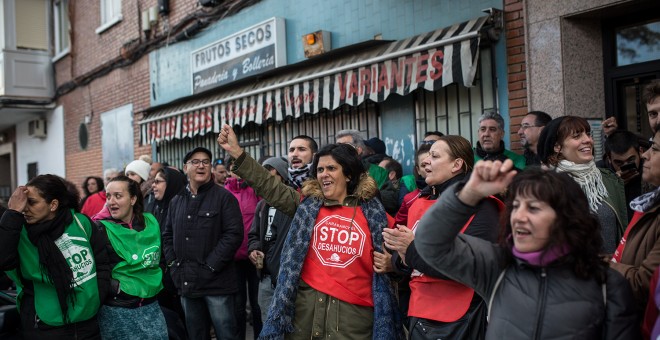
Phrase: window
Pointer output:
(638, 43)
(110, 14)
(117, 137)
(61, 14)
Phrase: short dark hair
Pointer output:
(433, 133)
(620, 142)
(312, 143)
(346, 155)
(393, 165)
(540, 118)
(578, 232)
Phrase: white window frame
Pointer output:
(110, 14)
(61, 12)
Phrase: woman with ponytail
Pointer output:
(131, 310)
(57, 259)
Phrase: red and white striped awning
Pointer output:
(430, 61)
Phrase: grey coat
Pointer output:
(530, 302)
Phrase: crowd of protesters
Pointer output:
(334, 242)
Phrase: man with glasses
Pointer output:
(202, 231)
(431, 137)
(529, 132)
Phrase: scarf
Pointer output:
(543, 257)
(51, 260)
(590, 180)
(645, 202)
(387, 323)
(298, 176)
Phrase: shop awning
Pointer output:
(430, 61)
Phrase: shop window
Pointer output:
(638, 43)
(61, 22)
(110, 14)
(455, 109)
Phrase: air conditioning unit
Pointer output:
(37, 128)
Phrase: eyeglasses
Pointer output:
(197, 162)
(427, 142)
(158, 181)
(527, 126)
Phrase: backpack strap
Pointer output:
(492, 294)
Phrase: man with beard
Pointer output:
(490, 146)
(623, 156)
(301, 152)
(529, 132)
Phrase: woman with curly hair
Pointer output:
(545, 278)
(90, 186)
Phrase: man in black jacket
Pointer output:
(202, 231)
(266, 238)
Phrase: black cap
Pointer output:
(195, 150)
(376, 144)
(547, 140)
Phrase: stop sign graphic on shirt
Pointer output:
(338, 241)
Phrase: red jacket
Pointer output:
(94, 204)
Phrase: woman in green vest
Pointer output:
(131, 310)
(56, 257)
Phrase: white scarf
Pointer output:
(589, 178)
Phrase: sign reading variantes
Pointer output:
(252, 51)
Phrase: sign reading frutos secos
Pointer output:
(254, 50)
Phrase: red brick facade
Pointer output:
(514, 20)
(92, 95)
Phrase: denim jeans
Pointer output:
(265, 296)
(221, 310)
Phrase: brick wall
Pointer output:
(121, 86)
(514, 21)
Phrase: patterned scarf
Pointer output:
(645, 202)
(387, 323)
(298, 176)
(590, 180)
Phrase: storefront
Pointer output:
(441, 80)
